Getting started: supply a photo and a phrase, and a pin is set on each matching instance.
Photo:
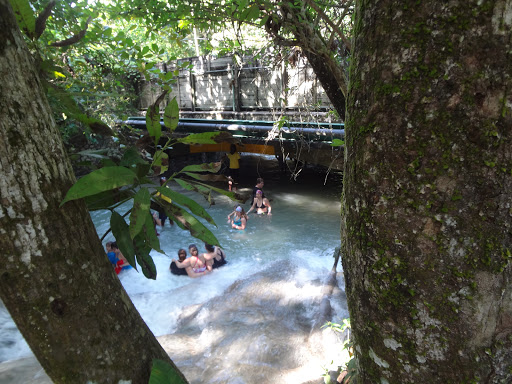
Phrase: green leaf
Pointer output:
(190, 187)
(337, 143)
(131, 158)
(171, 115)
(160, 162)
(151, 236)
(164, 373)
(64, 100)
(121, 233)
(153, 122)
(100, 180)
(140, 211)
(108, 163)
(231, 195)
(194, 226)
(199, 138)
(142, 170)
(107, 199)
(168, 76)
(183, 200)
(145, 261)
(24, 16)
(254, 12)
(193, 175)
(206, 167)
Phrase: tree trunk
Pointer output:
(331, 87)
(55, 278)
(427, 203)
(318, 52)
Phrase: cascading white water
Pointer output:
(254, 320)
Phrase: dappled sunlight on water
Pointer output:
(253, 321)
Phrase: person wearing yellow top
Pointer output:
(234, 166)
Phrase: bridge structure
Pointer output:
(307, 142)
(246, 99)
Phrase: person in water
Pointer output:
(257, 187)
(239, 221)
(234, 167)
(230, 216)
(195, 265)
(175, 270)
(112, 257)
(215, 256)
(166, 200)
(261, 204)
(125, 264)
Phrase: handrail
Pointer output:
(320, 131)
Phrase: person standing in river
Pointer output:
(161, 212)
(239, 221)
(257, 187)
(261, 204)
(234, 167)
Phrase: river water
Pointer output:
(256, 320)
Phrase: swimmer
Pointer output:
(215, 256)
(239, 221)
(112, 257)
(261, 204)
(175, 270)
(120, 256)
(230, 216)
(195, 265)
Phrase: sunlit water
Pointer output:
(257, 315)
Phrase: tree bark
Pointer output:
(426, 221)
(328, 70)
(55, 278)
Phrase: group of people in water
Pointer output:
(199, 264)
(116, 257)
(260, 204)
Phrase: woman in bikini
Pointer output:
(195, 265)
(214, 256)
(261, 204)
(239, 221)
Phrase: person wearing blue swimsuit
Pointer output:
(125, 265)
(240, 220)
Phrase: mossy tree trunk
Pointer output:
(427, 201)
(55, 278)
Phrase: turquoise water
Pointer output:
(292, 249)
